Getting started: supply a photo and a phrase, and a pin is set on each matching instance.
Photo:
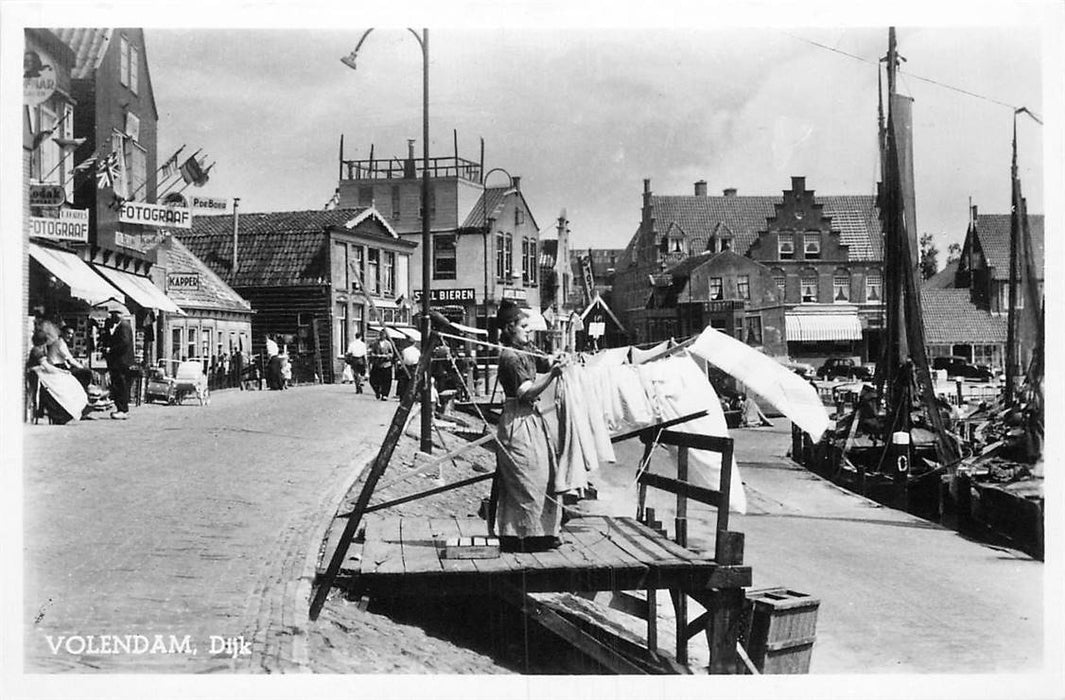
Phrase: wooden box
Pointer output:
(471, 548)
(782, 630)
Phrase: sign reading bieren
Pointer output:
(443, 296)
(154, 215)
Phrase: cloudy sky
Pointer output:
(583, 116)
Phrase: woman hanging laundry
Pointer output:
(528, 517)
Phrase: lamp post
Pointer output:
(487, 232)
(427, 401)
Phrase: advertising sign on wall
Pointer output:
(47, 195)
(209, 204)
(182, 281)
(72, 225)
(38, 79)
(447, 296)
(154, 215)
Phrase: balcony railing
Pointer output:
(397, 169)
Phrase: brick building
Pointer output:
(823, 253)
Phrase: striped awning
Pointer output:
(809, 328)
(140, 289)
(76, 274)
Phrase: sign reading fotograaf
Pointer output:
(72, 225)
(154, 215)
(182, 281)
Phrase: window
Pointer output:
(841, 286)
(395, 201)
(358, 277)
(519, 216)
(743, 286)
(190, 346)
(340, 334)
(49, 149)
(989, 355)
(501, 257)
(726, 244)
(388, 273)
(365, 196)
(206, 343)
(754, 330)
(711, 245)
(134, 68)
(118, 147)
(444, 261)
(508, 255)
(676, 245)
(873, 286)
(780, 279)
(534, 264)
(356, 321)
(524, 260)
(123, 60)
(811, 246)
(373, 276)
(175, 343)
(716, 290)
(340, 265)
(137, 164)
(808, 286)
(786, 246)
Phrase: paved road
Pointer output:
(898, 594)
(184, 521)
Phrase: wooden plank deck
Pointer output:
(403, 556)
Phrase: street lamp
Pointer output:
(487, 232)
(427, 401)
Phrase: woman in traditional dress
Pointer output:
(59, 394)
(528, 517)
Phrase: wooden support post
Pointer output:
(725, 488)
(380, 463)
(728, 548)
(681, 521)
(722, 634)
(652, 620)
(680, 608)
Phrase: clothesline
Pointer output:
(492, 345)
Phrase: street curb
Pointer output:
(304, 586)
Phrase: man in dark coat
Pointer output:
(119, 355)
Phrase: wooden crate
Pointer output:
(782, 630)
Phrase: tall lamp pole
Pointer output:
(427, 400)
(487, 236)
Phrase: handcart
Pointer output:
(172, 381)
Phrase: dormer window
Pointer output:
(676, 245)
(726, 244)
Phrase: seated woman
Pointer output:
(59, 394)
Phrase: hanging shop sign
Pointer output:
(154, 215)
(209, 204)
(38, 80)
(72, 225)
(597, 329)
(447, 296)
(127, 241)
(47, 195)
(514, 293)
(182, 281)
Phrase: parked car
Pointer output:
(842, 368)
(959, 367)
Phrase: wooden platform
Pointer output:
(403, 556)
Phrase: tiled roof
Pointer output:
(276, 249)
(950, 317)
(993, 230)
(855, 216)
(213, 292)
(490, 200)
(89, 46)
(944, 279)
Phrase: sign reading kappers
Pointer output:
(182, 281)
(154, 215)
(72, 225)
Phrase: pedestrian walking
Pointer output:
(381, 366)
(273, 364)
(356, 360)
(409, 358)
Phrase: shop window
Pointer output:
(444, 260)
(811, 249)
(808, 286)
(874, 289)
(754, 330)
(340, 265)
(780, 279)
(716, 289)
(786, 246)
(841, 286)
(743, 286)
(373, 274)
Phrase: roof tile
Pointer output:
(951, 317)
(993, 230)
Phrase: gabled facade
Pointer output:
(984, 266)
(302, 273)
(485, 241)
(823, 253)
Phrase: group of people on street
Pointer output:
(61, 383)
(383, 359)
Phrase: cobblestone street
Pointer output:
(185, 521)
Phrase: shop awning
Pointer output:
(809, 328)
(140, 289)
(76, 274)
(392, 333)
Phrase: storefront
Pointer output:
(828, 331)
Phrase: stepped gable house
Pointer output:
(823, 254)
(300, 272)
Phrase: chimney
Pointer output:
(798, 183)
(974, 213)
(515, 182)
(700, 188)
(408, 165)
(646, 191)
(729, 191)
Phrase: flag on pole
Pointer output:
(171, 166)
(107, 171)
(192, 172)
